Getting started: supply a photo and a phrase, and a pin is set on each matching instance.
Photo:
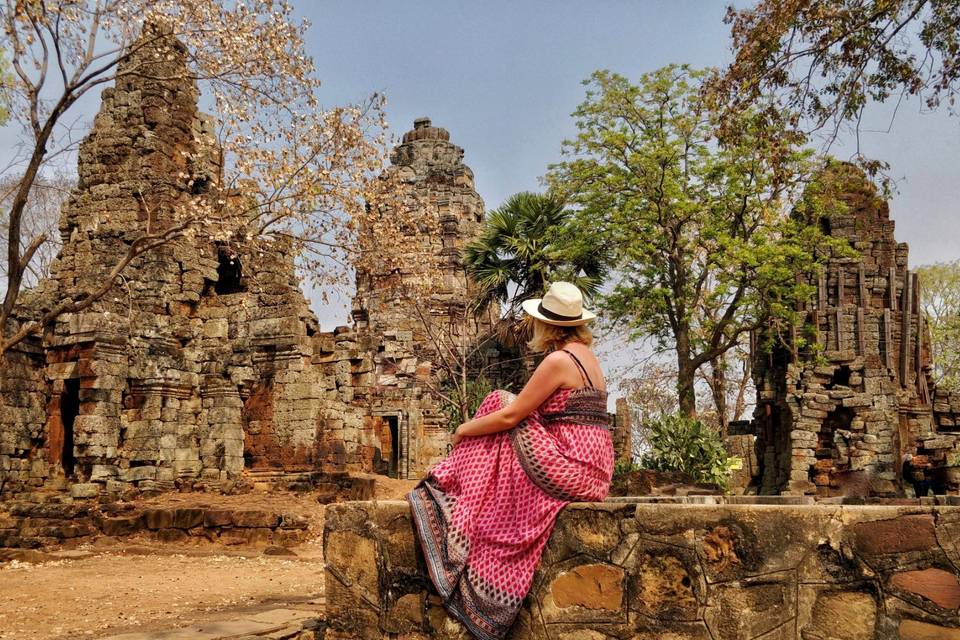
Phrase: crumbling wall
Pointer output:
(840, 419)
(24, 397)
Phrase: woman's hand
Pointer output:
(457, 436)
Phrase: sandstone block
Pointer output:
(187, 518)
(591, 586)
(895, 535)
(251, 518)
(938, 586)
(917, 630)
(85, 490)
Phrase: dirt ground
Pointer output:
(112, 586)
(113, 591)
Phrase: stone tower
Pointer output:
(841, 423)
(415, 301)
(197, 365)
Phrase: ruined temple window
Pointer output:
(201, 184)
(825, 226)
(841, 377)
(228, 274)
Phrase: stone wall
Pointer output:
(23, 414)
(677, 571)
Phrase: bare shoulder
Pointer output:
(552, 361)
(555, 357)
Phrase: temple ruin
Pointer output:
(841, 419)
(206, 362)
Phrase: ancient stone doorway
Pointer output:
(390, 451)
(774, 449)
(69, 410)
(393, 427)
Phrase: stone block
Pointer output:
(936, 585)
(158, 518)
(103, 471)
(216, 328)
(85, 490)
(187, 518)
(122, 525)
(217, 517)
(590, 586)
(895, 535)
(251, 518)
(136, 474)
(917, 630)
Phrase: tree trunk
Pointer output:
(686, 377)
(718, 388)
(742, 385)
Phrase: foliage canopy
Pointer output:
(827, 59)
(520, 252)
(940, 302)
(696, 228)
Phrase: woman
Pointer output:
(484, 514)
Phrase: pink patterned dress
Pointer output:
(484, 514)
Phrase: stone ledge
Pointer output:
(33, 526)
(620, 570)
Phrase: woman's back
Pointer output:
(583, 365)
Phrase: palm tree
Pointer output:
(523, 247)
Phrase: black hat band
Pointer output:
(556, 316)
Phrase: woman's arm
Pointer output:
(544, 381)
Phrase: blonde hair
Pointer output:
(548, 337)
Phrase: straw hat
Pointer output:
(561, 305)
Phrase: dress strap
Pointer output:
(583, 371)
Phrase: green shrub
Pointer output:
(472, 394)
(623, 467)
(689, 447)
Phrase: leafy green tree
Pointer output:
(697, 230)
(940, 302)
(521, 251)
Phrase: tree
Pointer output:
(940, 302)
(729, 378)
(520, 252)
(305, 172)
(827, 59)
(459, 361)
(697, 229)
(6, 82)
(41, 216)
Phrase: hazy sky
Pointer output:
(503, 78)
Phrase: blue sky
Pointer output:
(503, 78)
